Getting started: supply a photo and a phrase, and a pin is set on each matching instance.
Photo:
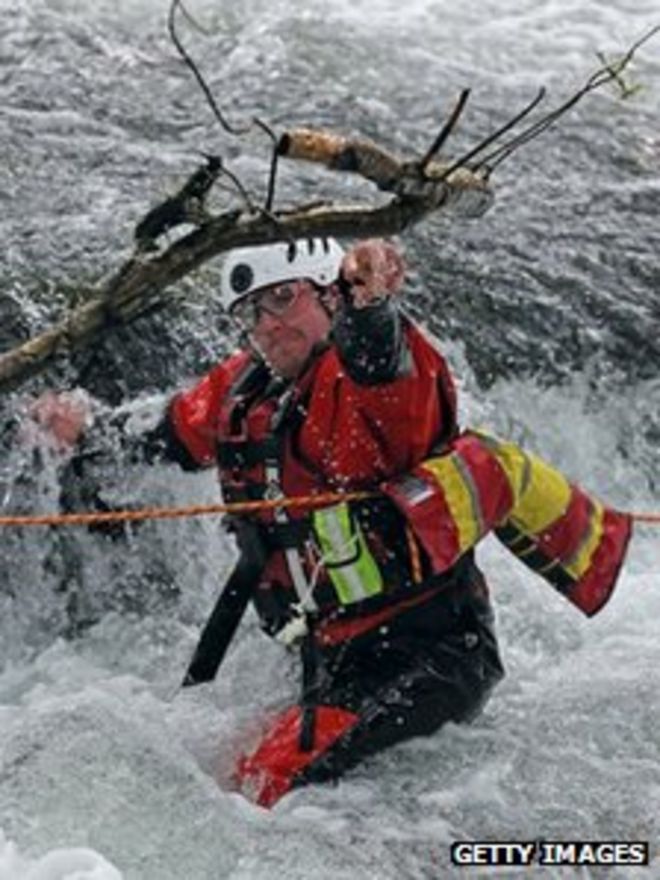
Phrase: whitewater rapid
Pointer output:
(548, 312)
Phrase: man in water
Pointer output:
(336, 390)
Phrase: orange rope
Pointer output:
(86, 519)
(646, 517)
(415, 558)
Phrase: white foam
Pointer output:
(75, 863)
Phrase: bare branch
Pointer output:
(625, 90)
(193, 21)
(208, 94)
(446, 130)
(635, 46)
(486, 142)
(142, 283)
(270, 192)
(605, 74)
(241, 189)
(176, 4)
(417, 189)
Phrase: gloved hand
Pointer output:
(372, 270)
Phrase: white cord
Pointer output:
(296, 628)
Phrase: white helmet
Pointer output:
(250, 268)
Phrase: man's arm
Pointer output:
(368, 327)
(72, 424)
(371, 343)
(181, 430)
(160, 443)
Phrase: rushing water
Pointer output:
(549, 310)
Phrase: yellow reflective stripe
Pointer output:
(352, 569)
(460, 496)
(581, 559)
(545, 499)
(512, 459)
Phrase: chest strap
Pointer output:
(282, 535)
(238, 454)
(221, 626)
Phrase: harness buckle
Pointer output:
(294, 630)
(273, 490)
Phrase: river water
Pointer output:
(548, 309)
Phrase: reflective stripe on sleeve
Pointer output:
(580, 561)
(545, 499)
(461, 498)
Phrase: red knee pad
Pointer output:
(268, 772)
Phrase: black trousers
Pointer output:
(438, 662)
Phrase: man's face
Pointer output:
(284, 322)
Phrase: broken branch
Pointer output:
(142, 284)
(417, 190)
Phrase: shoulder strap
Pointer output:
(221, 626)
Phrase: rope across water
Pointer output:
(239, 507)
(88, 519)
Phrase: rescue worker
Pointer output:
(336, 390)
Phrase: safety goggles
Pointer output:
(272, 300)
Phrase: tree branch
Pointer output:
(417, 189)
(142, 283)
